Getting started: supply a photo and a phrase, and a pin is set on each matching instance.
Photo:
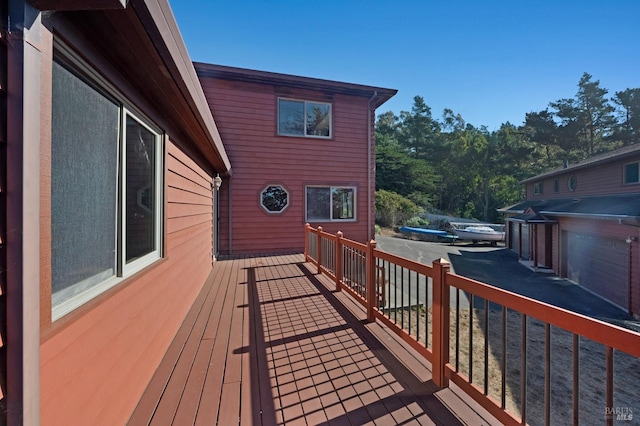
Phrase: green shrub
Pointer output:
(377, 229)
(392, 208)
(416, 222)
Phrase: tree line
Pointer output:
(450, 166)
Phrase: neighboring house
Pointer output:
(302, 149)
(582, 221)
(109, 158)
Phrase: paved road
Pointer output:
(499, 267)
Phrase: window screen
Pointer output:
(84, 153)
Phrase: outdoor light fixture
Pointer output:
(630, 239)
(217, 182)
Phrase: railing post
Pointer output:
(441, 306)
(319, 249)
(338, 259)
(306, 242)
(371, 281)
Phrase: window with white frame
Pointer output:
(631, 173)
(538, 188)
(330, 203)
(274, 199)
(106, 191)
(304, 118)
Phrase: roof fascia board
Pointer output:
(588, 215)
(580, 166)
(70, 5)
(263, 77)
(160, 23)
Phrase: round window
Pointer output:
(274, 199)
(573, 182)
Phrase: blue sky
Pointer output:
(491, 61)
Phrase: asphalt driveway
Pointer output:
(499, 267)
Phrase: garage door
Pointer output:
(600, 265)
(515, 239)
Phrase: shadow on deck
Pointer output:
(269, 342)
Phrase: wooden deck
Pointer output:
(270, 342)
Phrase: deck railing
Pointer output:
(523, 360)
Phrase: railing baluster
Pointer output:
(503, 364)
(609, 387)
(409, 305)
(576, 380)
(471, 339)
(523, 369)
(547, 374)
(486, 347)
(457, 329)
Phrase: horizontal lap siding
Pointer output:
(115, 347)
(598, 180)
(246, 115)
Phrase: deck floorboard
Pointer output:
(268, 341)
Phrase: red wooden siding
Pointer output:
(96, 364)
(246, 114)
(604, 179)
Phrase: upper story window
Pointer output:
(274, 199)
(538, 188)
(106, 191)
(556, 185)
(330, 203)
(631, 173)
(572, 183)
(304, 118)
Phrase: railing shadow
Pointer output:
(415, 391)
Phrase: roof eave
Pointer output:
(160, 23)
(380, 95)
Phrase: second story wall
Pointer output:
(247, 115)
(597, 179)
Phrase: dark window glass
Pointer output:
(140, 190)
(318, 203)
(274, 198)
(290, 117)
(556, 185)
(342, 203)
(318, 119)
(631, 173)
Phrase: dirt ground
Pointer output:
(471, 339)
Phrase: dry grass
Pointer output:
(591, 365)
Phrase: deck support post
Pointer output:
(319, 248)
(371, 281)
(338, 262)
(441, 306)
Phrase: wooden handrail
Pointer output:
(609, 335)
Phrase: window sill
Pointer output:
(60, 321)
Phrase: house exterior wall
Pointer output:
(602, 179)
(246, 114)
(96, 361)
(113, 345)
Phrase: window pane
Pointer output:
(631, 174)
(84, 153)
(290, 117)
(318, 204)
(318, 119)
(342, 203)
(274, 198)
(140, 191)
